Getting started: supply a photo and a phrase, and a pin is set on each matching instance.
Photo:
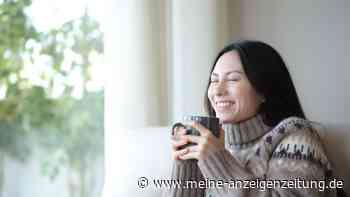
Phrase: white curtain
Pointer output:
(159, 54)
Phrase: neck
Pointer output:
(245, 131)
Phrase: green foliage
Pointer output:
(38, 107)
(15, 30)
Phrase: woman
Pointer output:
(264, 136)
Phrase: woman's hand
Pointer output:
(204, 145)
(177, 142)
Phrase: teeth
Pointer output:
(224, 104)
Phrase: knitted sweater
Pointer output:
(291, 151)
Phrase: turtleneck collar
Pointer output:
(246, 131)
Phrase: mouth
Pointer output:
(224, 104)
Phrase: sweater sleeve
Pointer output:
(300, 161)
(182, 172)
(221, 166)
(305, 160)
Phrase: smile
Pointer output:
(224, 103)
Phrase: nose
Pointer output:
(220, 88)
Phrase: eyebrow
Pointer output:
(235, 71)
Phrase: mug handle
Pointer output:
(176, 125)
(179, 124)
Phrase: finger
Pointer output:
(193, 148)
(177, 154)
(192, 153)
(189, 155)
(178, 143)
(201, 129)
(191, 138)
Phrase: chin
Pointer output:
(224, 119)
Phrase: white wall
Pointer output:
(312, 36)
(199, 28)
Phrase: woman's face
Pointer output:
(230, 92)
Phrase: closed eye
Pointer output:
(233, 80)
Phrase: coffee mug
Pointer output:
(210, 122)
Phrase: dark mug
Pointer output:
(210, 122)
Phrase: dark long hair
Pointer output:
(269, 76)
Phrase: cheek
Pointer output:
(247, 97)
(210, 95)
(239, 91)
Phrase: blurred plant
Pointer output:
(77, 143)
(15, 30)
(44, 99)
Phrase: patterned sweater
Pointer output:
(290, 152)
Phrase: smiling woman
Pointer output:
(261, 74)
(266, 134)
(230, 92)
